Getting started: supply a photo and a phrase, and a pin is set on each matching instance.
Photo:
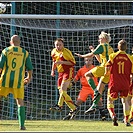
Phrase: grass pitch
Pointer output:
(64, 126)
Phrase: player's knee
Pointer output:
(19, 102)
(88, 75)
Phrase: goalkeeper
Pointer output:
(86, 90)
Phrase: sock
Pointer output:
(110, 108)
(96, 101)
(102, 111)
(61, 100)
(131, 112)
(126, 115)
(68, 100)
(92, 84)
(21, 115)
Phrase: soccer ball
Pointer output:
(2, 8)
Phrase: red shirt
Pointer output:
(64, 55)
(120, 69)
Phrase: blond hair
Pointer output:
(59, 39)
(105, 35)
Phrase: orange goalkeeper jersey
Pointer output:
(80, 75)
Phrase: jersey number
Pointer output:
(13, 63)
(120, 67)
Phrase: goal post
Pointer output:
(38, 33)
(77, 17)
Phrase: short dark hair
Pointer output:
(122, 45)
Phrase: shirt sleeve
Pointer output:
(28, 63)
(132, 63)
(98, 50)
(53, 54)
(2, 59)
(69, 57)
(78, 75)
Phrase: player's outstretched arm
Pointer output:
(89, 55)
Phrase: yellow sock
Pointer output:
(131, 112)
(61, 99)
(110, 108)
(126, 115)
(68, 101)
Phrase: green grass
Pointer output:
(59, 125)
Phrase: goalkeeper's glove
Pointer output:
(71, 85)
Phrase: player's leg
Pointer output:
(96, 99)
(3, 93)
(111, 96)
(124, 94)
(130, 99)
(21, 113)
(64, 97)
(131, 111)
(126, 110)
(83, 95)
(19, 96)
(89, 77)
(58, 107)
(110, 107)
(81, 98)
(69, 116)
(102, 110)
(101, 86)
(67, 77)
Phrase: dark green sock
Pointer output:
(92, 84)
(102, 111)
(21, 116)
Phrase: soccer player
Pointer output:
(64, 62)
(13, 63)
(86, 90)
(102, 52)
(130, 102)
(119, 67)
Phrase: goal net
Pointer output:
(79, 23)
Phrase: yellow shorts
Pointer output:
(98, 71)
(17, 93)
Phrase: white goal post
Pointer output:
(89, 17)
